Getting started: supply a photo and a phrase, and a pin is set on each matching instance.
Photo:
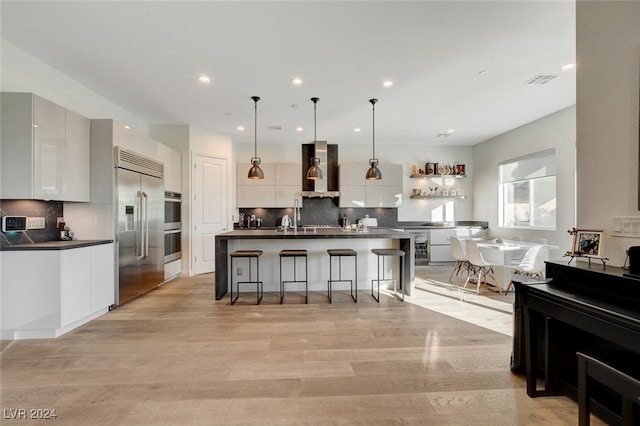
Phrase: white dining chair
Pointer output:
(532, 264)
(479, 266)
(460, 255)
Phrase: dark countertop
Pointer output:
(324, 233)
(54, 245)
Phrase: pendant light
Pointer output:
(374, 173)
(255, 172)
(314, 172)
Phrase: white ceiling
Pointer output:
(146, 56)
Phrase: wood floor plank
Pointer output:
(176, 356)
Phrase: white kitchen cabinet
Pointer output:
(286, 194)
(75, 281)
(77, 185)
(172, 161)
(41, 158)
(256, 196)
(440, 245)
(288, 184)
(255, 192)
(49, 144)
(356, 191)
(391, 176)
(352, 184)
(383, 196)
(352, 196)
(103, 284)
(172, 269)
(269, 169)
(67, 289)
(282, 184)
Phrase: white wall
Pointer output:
(554, 131)
(191, 141)
(21, 72)
(608, 58)
(407, 155)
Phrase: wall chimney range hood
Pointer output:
(328, 164)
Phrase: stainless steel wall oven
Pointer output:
(172, 226)
(172, 211)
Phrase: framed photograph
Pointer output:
(588, 242)
(431, 168)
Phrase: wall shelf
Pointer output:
(437, 176)
(426, 197)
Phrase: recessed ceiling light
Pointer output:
(450, 130)
(568, 67)
(240, 128)
(483, 72)
(357, 129)
(387, 83)
(296, 81)
(127, 127)
(299, 129)
(204, 79)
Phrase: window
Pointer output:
(527, 191)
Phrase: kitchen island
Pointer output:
(316, 241)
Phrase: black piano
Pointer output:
(583, 307)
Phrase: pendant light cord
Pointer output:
(315, 101)
(373, 133)
(255, 126)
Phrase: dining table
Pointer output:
(505, 255)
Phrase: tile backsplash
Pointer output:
(324, 211)
(50, 210)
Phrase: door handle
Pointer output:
(145, 250)
(138, 227)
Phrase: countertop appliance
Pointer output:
(140, 222)
(14, 223)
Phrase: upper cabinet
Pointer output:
(356, 191)
(78, 153)
(45, 150)
(281, 186)
(288, 184)
(172, 161)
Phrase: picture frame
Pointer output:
(588, 242)
(431, 168)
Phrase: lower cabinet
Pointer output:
(46, 293)
(441, 245)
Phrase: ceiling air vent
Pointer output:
(274, 127)
(541, 79)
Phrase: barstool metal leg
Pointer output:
(294, 258)
(353, 285)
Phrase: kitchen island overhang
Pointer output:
(316, 242)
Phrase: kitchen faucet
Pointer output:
(296, 214)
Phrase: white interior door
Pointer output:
(209, 210)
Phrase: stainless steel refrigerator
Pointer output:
(140, 233)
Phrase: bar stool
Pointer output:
(388, 253)
(340, 253)
(247, 254)
(295, 254)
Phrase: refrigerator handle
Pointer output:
(138, 225)
(145, 252)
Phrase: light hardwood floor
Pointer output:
(178, 357)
